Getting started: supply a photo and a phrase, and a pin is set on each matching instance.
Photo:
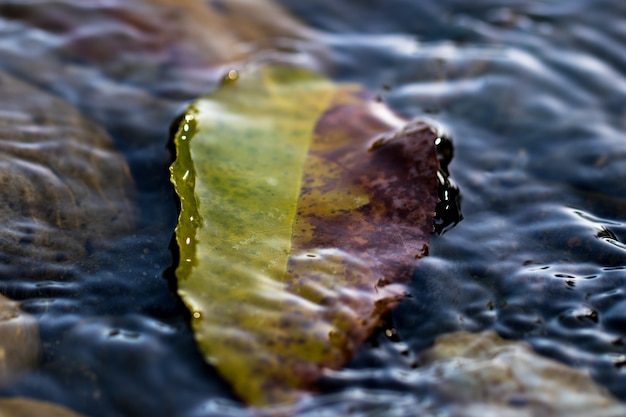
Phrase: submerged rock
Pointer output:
(26, 407)
(64, 190)
(20, 345)
(481, 374)
(92, 52)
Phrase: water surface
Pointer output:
(533, 94)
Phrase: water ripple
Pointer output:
(531, 92)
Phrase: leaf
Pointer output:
(299, 212)
(27, 407)
(20, 345)
(481, 374)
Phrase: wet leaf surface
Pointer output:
(303, 208)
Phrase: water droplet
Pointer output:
(232, 75)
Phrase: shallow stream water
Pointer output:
(533, 94)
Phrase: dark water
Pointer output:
(533, 94)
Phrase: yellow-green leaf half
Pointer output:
(303, 208)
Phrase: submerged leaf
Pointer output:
(20, 345)
(303, 208)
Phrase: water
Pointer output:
(533, 94)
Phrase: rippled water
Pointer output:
(533, 94)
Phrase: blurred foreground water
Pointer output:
(533, 94)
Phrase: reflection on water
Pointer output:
(533, 94)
